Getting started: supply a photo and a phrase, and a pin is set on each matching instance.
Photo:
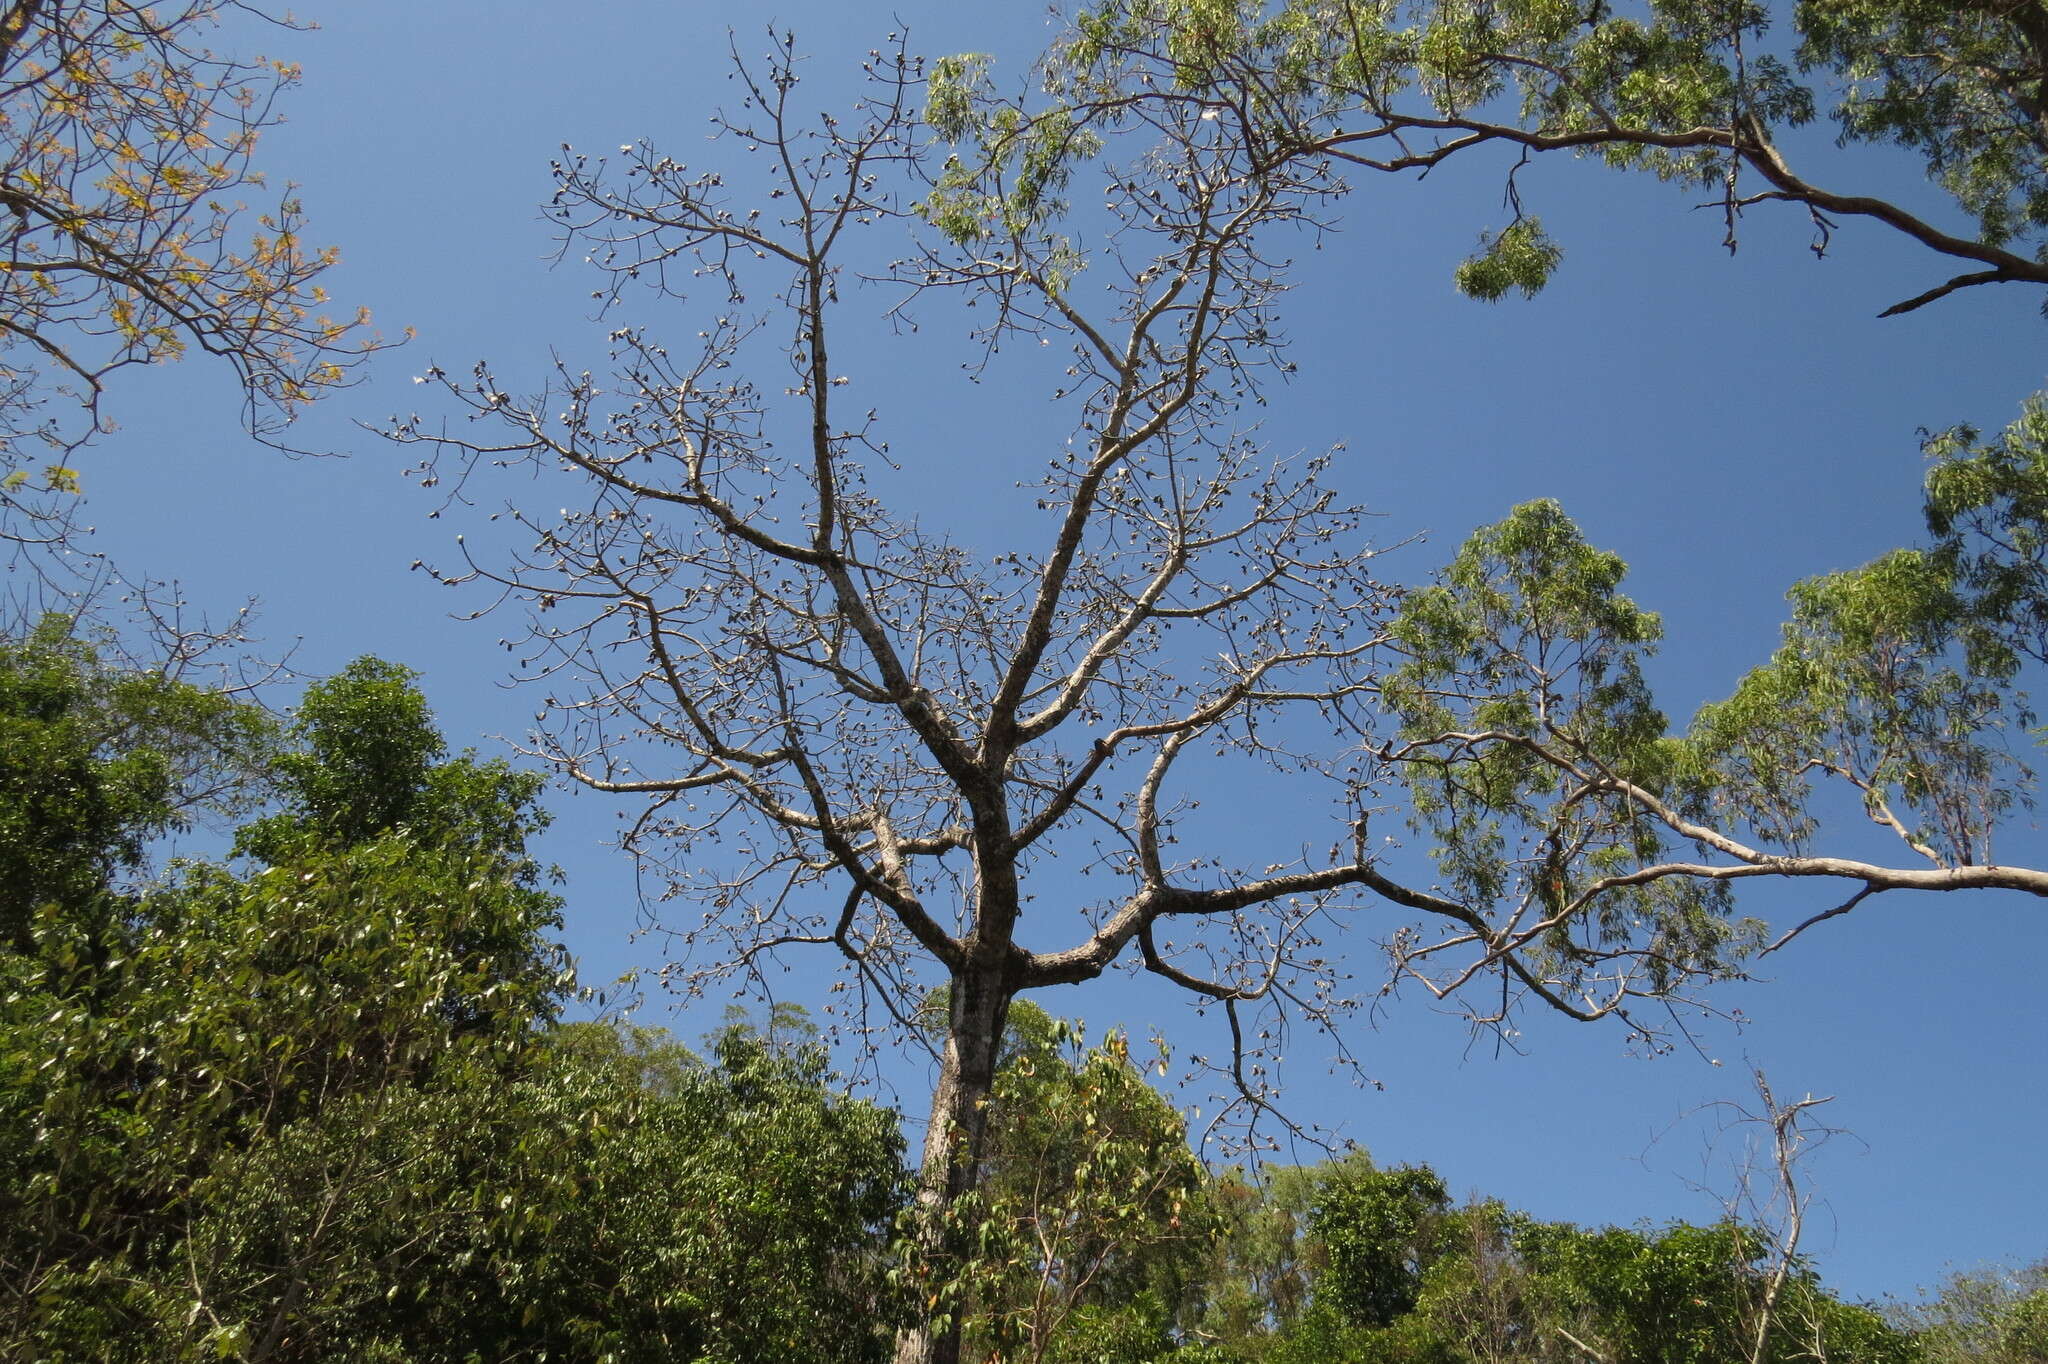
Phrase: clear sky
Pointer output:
(1728, 425)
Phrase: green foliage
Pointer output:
(735, 1213)
(1692, 92)
(1526, 634)
(1403, 1277)
(318, 1109)
(181, 1025)
(1987, 506)
(1960, 83)
(1380, 1231)
(1538, 761)
(956, 86)
(1687, 1294)
(95, 761)
(1039, 158)
(1014, 171)
(1088, 1224)
(567, 1211)
(1897, 677)
(1984, 1317)
(1521, 257)
(1263, 1257)
(1523, 704)
(366, 758)
(1866, 689)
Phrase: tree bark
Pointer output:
(978, 1010)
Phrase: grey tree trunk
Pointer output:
(979, 1010)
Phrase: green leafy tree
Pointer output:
(1383, 1266)
(1685, 1294)
(1521, 700)
(177, 1025)
(1410, 1278)
(1380, 1231)
(619, 1199)
(318, 1107)
(95, 761)
(367, 760)
(1987, 507)
(1263, 1259)
(366, 765)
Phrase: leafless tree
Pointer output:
(1753, 1168)
(1792, 1137)
(848, 731)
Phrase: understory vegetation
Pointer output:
(317, 1100)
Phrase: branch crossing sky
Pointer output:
(1728, 425)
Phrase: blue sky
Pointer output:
(1728, 425)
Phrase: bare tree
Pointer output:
(848, 731)
(1765, 1199)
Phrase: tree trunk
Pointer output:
(978, 1011)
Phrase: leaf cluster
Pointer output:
(1524, 710)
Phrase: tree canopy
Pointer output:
(319, 1105)
(124, 143)
(777, 663)
(835, 723)
(1702, 95)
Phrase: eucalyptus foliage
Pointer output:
(1986, 1316)
(1697, 93)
